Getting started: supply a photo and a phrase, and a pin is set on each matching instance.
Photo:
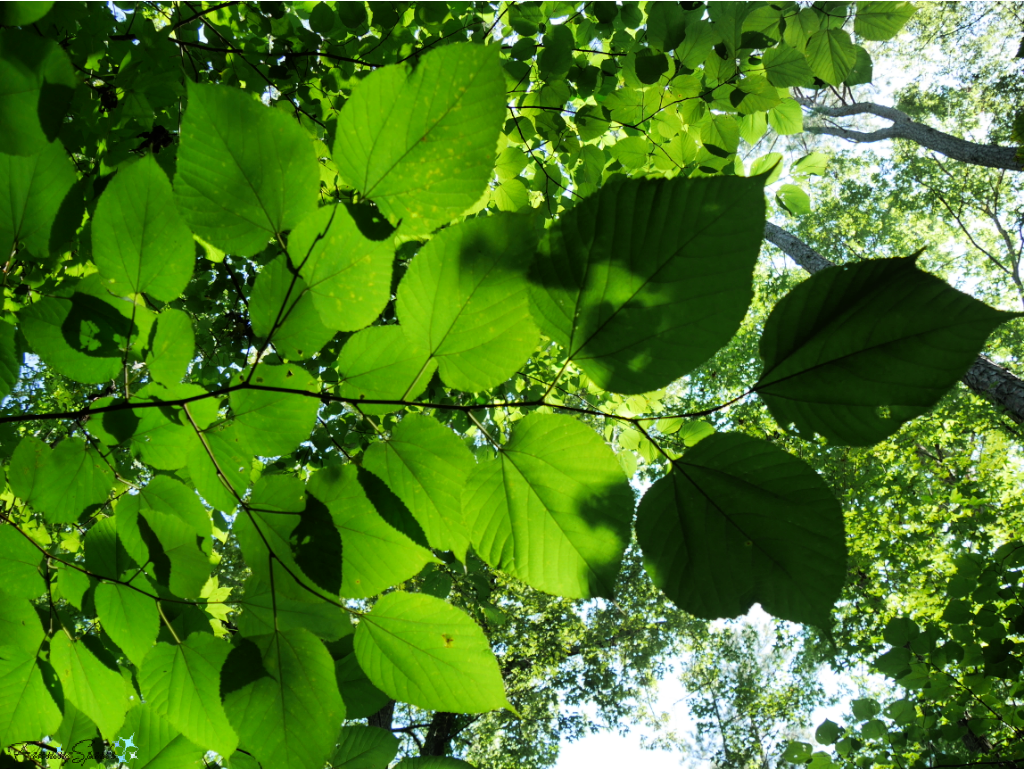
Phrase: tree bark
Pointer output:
(439, 734)
(989, 155)
(990, 381)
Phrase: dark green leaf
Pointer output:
(737, 522)
(364, 747)
(36, 84)
(855, 351)
(31, 191)
(611, 268)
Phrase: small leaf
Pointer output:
(31, 191)
(347, 274)
(793, 199)
(271, 422)
(421, 650)
(383, 363)
(91, 681)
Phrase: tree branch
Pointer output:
(985, 378)
(990, 155)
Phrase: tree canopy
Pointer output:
(382, 377)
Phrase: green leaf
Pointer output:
(814, 164)
(62, 483)
(511, 162)
(83, 337)
(797, 752)
(282, 309)
(18, 14)
(645, 280)
(129, 617)
(266, 612)
(182, 683)
(364, 747)
(139, 241)
(289, 717)
(632, 152)
(376, 555)
(348, 275)
(166, 495)
(158, 745)
(223, 478)
(270, 422)
(186, 567)
(421, 650)
(555, 57)
(511, 196)
(465, 299)
(426, 465)
(666, 26)
(881, 20)
(105, 552)
(855, 351)
(786, 67)
(362, 698)
(793, 199)
(770, 164)
(299, 531)
(36, 84)
(787, 118)
(91, 681)
(862, 71)
(27, 707)
(831, 55)
(554, 509)
(172, 347)
(21, 565)
(828, 732)
(10, 360)
(382, 363)
(738, 521)
(433, 762)
(420, 143)
(19, 623)
(865, 708)
(245, 173)
(32, 189)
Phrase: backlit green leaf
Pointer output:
(282, 309)
(220, 465)
(364, 747)
(881, 20)
(245, 173)
(855, 351)
(91, 681)
(272, 422)
(21, 564)
(31, 191)
(19, 623)
(645, 280)
(264, 612)
(139, 240)
(786, 67)
(36, 83)
(347, 274)
(465, 299)
(426, 466)
(554, 508)
(831, 55)
(129, 617)
(382, 363)
(27, 707)
(182, 683)
(61, 483)
(288, 718)
(738, 522)
(158, 745)
(375, 554)
(171, 348)
(421, 650)
(421, 143)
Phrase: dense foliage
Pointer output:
(334, 336)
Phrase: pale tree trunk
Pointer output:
(903, 127)
(992, 382)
